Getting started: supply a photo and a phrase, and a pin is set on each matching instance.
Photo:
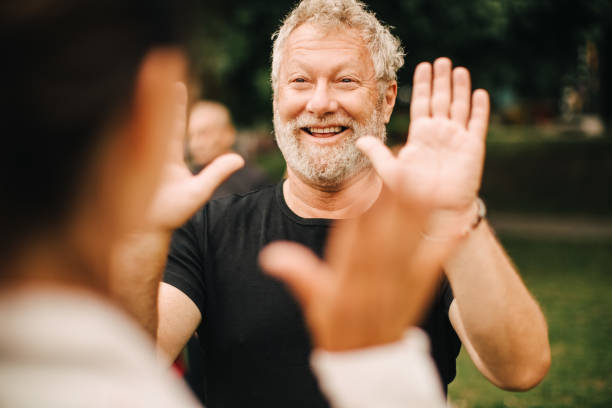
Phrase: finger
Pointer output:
(215, 173)
(421, 91)
(460, 106)
(298, 267)
(340, 253)
(479, 119)
(441, 95)
(178, 137)
(381, 157)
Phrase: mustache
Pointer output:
(311, 121)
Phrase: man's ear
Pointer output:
(389, 101)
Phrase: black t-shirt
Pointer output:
(256, 346)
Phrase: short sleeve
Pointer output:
(185, 263)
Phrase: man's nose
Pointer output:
(322, 100)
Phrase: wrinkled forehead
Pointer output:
(315, 31)
(341, 44)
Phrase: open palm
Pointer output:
(377, 277)
(441, 163)
(180, 193)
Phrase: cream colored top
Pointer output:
(69, 349)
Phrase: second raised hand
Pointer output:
(441, 163)
(180, 193)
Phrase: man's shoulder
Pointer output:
(239, 201)
(239, 208)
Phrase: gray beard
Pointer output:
(327, 166)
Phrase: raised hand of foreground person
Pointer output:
(375, 281)
(138, 261)
(180, 193)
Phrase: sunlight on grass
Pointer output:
(572, 282)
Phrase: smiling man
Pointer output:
(327, 98)
(334, 80)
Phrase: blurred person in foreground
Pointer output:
(91, 86)
(210, 133)
(101, 115)
(334, 82)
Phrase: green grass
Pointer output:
(573, 283)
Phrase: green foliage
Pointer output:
(515, 48)
(527, 173)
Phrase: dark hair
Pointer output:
(69, 69)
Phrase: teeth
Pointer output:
(336, 129)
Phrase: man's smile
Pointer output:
(327, 134)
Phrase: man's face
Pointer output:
(210, 133)
(326, 98)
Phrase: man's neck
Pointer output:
(349, 200)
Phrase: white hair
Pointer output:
(385, 49)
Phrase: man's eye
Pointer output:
(346, 80)
(299, 80)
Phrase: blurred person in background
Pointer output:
(334, 81)
(101, 114)
(210, 133)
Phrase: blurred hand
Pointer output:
(376, 280)
(443, 158)
(180, 193)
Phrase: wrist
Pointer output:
(446, 225)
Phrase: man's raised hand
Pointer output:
(441, 163)
(180, 193)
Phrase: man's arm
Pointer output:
(498, 321)
(441, 165)
(165, 312)
(179, 318)
(138, 262)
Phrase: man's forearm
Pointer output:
(498, 317)
(136, 271)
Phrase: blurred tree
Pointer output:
(231, 56)
(521, 50)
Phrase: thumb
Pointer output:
(381, 157)
(216, 173)
(306, 275)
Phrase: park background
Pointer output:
(548, 173)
